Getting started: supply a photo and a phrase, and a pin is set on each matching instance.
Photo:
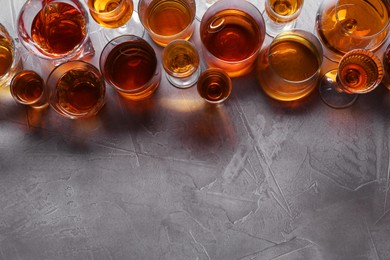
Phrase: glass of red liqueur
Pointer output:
(129, 65)
(55, 29)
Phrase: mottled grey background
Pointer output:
(174, 178)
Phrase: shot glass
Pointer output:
(76, 89)
(289, 68)
(167, 20)
(181, 63)
(129, 65)
(28, 88)
(281, 15)
(55, 30)
(214, 85)
(10, 61)
(232, 33)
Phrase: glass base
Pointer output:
(332, 95)
(184, 82)
(133, 26)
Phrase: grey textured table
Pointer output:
(174, 178)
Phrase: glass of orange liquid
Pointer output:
(28, 88)
(344, 25)
(55, 30)
(232, 33)
(289, 68)
(359, 71)
(129, 65)
(117, 17)
(214, 85)
(10, 61)
(281, 15)
(167, 20)
(76, 89)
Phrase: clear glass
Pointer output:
(202, 6)
(214, 85)
(55, 30)
(28, 88)
(344, 25)
(281, 15)
(76, 89)
(181, 63)
(289, 68)
(232, 33)
(167, 20)
(359, 72)
(129, 65)
(10, 60)
(116, 17)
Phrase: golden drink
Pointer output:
(359, 71)
(167, 20)
(282, 11)
(28, 88)
(6, 56)
(353, 24)
(111, 13)
(181, 60)
(58, 28)
(288, 69)
(214, 85)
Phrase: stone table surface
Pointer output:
(174, 178)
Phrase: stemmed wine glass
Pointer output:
(116, 17)
(359, 71)
(344, 25)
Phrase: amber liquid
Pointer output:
(231, 35)
(27, 87)
(342, 30)
(167, 20)
(294, 60)
(79, 91)
(358, 72)
(111, 13)
(58, 28)
(6, 56)
(180, 59)
(214, 86)
(129, 66)
(283, 8)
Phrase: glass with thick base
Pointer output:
(55, 30)
(359, 71)
(281, 15)
(181, 63)
(76, 89)
(116, 17)
(214, 85)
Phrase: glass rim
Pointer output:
(39, 77)
(385, 27)
(24, 33)
(299, 32)
(112, 43)
(53, 89)
(147, 28)
(290, 17)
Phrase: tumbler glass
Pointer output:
(214, 85)
(181, 63)
(289, 68)
(55, 30)
(232, 33)
(167, 20)
(76, 89)
(129, 65)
